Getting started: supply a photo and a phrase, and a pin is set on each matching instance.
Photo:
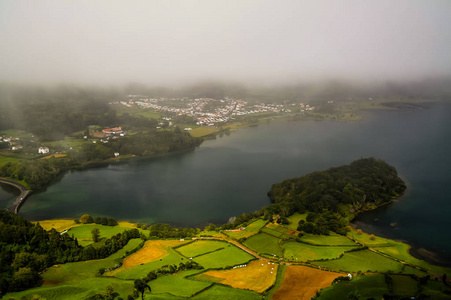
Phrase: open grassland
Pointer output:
(80, 290)
(203, 131)
(401, 251)
(397, 250)
(256, 276)
(73, 272)
(59, 224)
(134, 111)
(151, 251)
(83, 232)
(264, 243)
(372, 285)
(276, 233)
(329, 240)
(250, 230)
(54, 155)
(278, 228)
(404, 285)
(227, 257)
(295, 251)
(226, 293)
(295, 218)
(139, 271)
(303, 282)
(200, 247)
(4, 158)
(177, 285)
(363, 261)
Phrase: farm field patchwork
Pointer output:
(200, 247)
(83, 233)
(250, 230)
(372, 285)
(177, 285)
(295, 218)
(363, 261)
(257, 276)
(295, 251)
(227, 257)
(302, 282)
(264, 243)
(151, 251)
(276, 233)
(331, 240)
(226, 293)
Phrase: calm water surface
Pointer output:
(231, 175)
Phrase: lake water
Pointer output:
(231, 175)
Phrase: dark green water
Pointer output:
(231, 175)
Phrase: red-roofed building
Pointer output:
(114, 130)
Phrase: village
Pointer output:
(208, 111)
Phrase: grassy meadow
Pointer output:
(264, 243)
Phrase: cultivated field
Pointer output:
(264, 243)
(226, 293)
(303, 282)
(176, 285)
(200, 247)
(59, 225)
(330, 240)
(257, 276)
(83, 233)
(151, 251)
(372, 285)
(363, 261)
(295, 251)
(227, 257)
(294, 220)
(250, 230)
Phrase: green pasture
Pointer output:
(295, 251)
(8, 158)
(140, 271)
(332, 240)
(264, 243)
(364, 239)
(67, 142)
(275, 233)
(204, 130)
(74, 272)
(83, 232)
(250, 230)
(404, 285)
(200, 247)
(79, 290)
(367, 286)
(278, 228)
(401, 251)
(226, 293)
(295, 218)
(363, 261)
(177, 285)
(227, 257)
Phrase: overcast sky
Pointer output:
(164, 42)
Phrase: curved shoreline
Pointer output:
(24, 192)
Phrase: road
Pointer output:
(24, 192)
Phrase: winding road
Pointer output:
(24, 192)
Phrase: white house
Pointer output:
(43, 150)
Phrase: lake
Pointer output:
(232, 174)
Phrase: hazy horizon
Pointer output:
(255, 42)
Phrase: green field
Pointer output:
(295, 218)
(142, 270)
(226, 293)
(367, 286)
(275, 233)
(227, 257)
(83, 233)
(295, 251)
(250, 230)
(200, 247)
(177, 285)
(332, 240)
(134, 111)
(362, 261)
(263, 243)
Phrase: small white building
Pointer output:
(116, 154)
(43, 150)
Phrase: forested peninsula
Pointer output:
(335, 196)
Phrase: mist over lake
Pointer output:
(232, 174)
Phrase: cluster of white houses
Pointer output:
(207, 111)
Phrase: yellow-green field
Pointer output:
(257, 276)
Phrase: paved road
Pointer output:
(24, 192)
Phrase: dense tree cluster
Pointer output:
(363, 184)
(26, 249)
(161, 230)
